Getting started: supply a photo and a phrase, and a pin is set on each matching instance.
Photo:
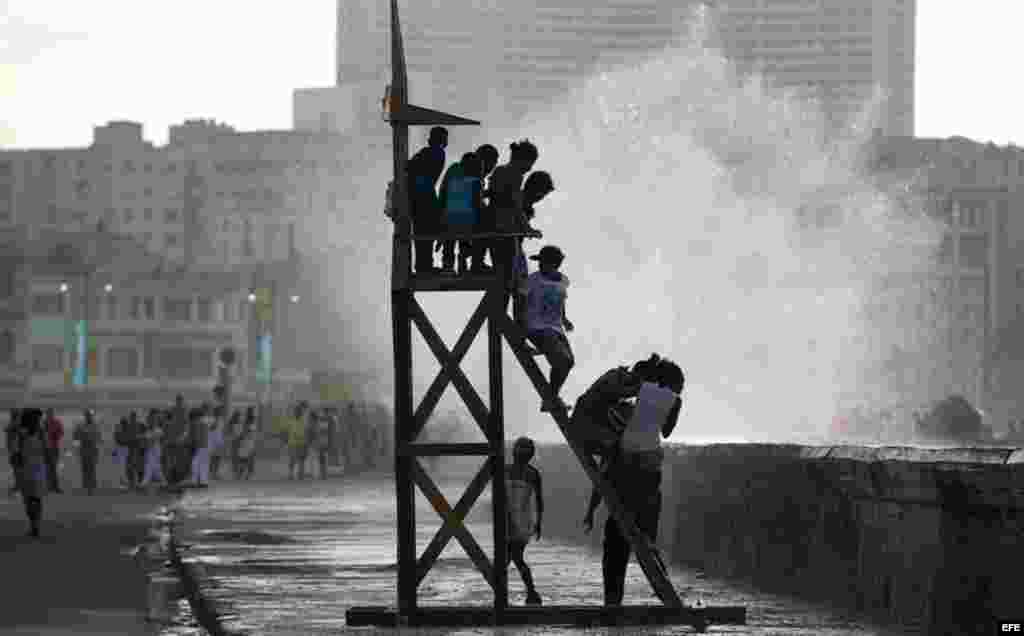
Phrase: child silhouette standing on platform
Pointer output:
(461, 202)
(524, 497)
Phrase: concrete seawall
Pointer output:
(929, 538)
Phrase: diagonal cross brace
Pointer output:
(646, 552)
(462, 534)
(450, 371)
(452, 522)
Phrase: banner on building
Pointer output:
(264, 351)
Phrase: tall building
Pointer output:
(976, 192)
(838, 52)
(213, 215)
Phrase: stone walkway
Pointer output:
(80, 576)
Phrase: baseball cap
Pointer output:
(549, 254)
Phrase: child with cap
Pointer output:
(546, 321)
(524, 497)
(461, 201)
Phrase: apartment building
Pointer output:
(143, 333)
(976, 192)
(486, 56)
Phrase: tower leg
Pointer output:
(404, 428)
(497, 440)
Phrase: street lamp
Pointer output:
(64, 287)
(294, 299)
(252, 297)
(108, 288)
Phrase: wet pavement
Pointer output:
(290, 558)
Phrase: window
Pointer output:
(47, 358)
(7, 283)
(142, 308)
(147, 192)
(122, 362)
(147, 168)
(129, 215)
(184, 364)
(177, 309)
(170, 215)
(48, 304)
(204, 310)
(171, 240)
(111, 304)
(147, 214)
(128, 167)
(7, 347)
(229, 310)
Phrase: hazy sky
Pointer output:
(68, 65)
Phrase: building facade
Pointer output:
(976, 192)
(496, 57)
(214, 206)
(86, 319)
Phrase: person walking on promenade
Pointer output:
(217, 442)
(29, 459)
(120, 452)
(199, 438)
(635, 472)
(322, 440)
(176, 442)
(546, 320)
(87, 436)
(11, 433)
(297, 444)
(232, 436)
(153, 440)
(136, 449)
(525, 504)
(54, 430)
(247, 451)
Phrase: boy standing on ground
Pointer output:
(524, 498)
(546, 321)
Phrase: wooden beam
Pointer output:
(467, 449)
(462, 384)
(498, 305)
(442, 283)
(646, 553)
(440, 383)
(461, 533)
(404, 423)
(567, 615)
(452, 522)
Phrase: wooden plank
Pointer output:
(442, 283)
(440, 383)
(468, 449)
(452, 521)
(567, 615)
(461, 533)
(646, 553)
(498, 307)
(458, 379)
(404, 495)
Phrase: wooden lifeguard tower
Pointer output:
(410, 421)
